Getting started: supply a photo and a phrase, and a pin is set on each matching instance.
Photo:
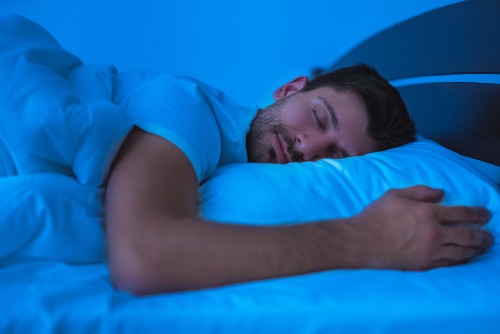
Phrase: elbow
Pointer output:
(127, 272)
(138, 282)
(132, 284)
(136, 271)
(141, 280)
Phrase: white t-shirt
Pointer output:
(207, 125)
(74, 125)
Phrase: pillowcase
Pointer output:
(263, 194)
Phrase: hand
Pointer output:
(407, 229)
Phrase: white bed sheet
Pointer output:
(49, 297)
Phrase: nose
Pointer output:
(311, 146)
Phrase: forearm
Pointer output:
(190, 254)
(156, 243)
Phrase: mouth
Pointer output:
(282, 154)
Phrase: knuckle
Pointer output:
(469, 237)
(429, 212)
(392, 192)
(474, 214)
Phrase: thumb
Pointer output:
(421, 193)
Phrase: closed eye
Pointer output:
(317, 120)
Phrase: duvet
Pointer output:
(53, 270)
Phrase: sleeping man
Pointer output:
(157, 243)
(152, 139)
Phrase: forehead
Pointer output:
(346, 103)
(338, 97)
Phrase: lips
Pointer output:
(282, 154)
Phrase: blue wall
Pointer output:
(246, 47)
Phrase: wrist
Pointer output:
(345, 242)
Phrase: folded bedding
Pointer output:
(56, 114)
(52, 245)
(50, 216)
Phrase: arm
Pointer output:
(156, 243)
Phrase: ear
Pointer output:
(290, 88)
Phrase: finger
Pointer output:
(464, 215)
(467, 237)
(421, 194)
(453, 255)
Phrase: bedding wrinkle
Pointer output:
(93, 83)
(53, 269)
(48, 230)
(7, 166)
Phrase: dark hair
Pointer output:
(390, 125)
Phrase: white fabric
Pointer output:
(300, 192)
(201, 120)
(60, 116)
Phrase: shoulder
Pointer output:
(133, 83)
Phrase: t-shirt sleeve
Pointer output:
(177, 110)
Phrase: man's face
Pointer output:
(308, 126)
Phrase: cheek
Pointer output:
(362, 142)
(295, 120)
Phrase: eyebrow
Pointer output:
(331, 111)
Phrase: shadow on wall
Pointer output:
(448, 67)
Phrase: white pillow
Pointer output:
(298, 192)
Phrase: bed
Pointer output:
(445, 63)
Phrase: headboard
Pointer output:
(446, 65)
